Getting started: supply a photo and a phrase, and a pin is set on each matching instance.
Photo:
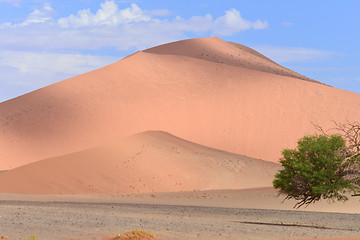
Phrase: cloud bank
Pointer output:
(110, 26)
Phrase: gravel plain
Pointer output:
(81, 220)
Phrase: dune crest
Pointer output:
(217, 50)
(152, 161)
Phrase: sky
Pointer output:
(46, 41)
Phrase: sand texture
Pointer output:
(145, 162)
(214, 93)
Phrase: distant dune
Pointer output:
(146, 162)
(218, 94)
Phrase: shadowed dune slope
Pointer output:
(230, 98)
(145, 162)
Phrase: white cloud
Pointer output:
(232, 22)
(110, 26)
(37, 16)
(293, 54)
(109, 14)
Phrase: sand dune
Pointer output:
(211, 92)
(146, 162)
(229, 53)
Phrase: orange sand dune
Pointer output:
(234, 54)
(212, 92)
(146, 162)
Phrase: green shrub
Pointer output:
(320, 167)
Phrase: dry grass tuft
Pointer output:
(32, 237)
(136, 235)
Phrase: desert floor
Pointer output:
(223, 214)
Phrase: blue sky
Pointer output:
(45, 41)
